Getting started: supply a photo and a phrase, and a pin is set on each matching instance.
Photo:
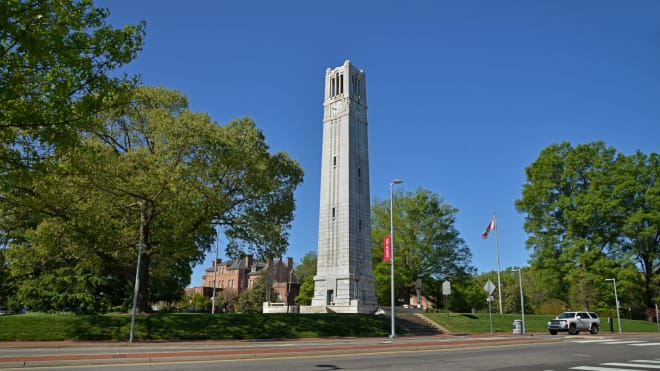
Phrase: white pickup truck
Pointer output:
(574, 322)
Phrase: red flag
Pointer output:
(387, 248)
(489, 228)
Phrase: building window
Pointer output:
(337, 84)
(360, 224)
(334, 160)
(341, 84)
(333, 212)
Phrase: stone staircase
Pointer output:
(417, 324)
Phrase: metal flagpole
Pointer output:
(497, 250)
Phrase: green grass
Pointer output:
(204, 326)
(479, 323)
(189, 326)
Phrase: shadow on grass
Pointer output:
(470, 316)
(204, 326)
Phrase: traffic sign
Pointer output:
(446, 288)
(489, 287)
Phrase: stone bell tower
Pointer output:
(344, 280)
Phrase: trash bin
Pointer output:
(517, 326)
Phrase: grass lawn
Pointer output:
(479, 323)
(189, 326)
(204, 326)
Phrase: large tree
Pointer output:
(637, 195)
(577, 201)
(156, 176)
(59, 62)
(427, 245)
(58, 59)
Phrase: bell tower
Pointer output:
(344, 279)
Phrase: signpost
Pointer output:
(446, 290)
(489, 287)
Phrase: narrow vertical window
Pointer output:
(358, 171)
(333, 212)
(334, 160)
(360, 224)
(341, 84)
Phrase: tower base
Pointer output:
(356, 307)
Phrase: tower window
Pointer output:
(334, 160)
(341, 84)
(358, 171)
(333, 212)
(360, 224)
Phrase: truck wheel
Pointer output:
(553, 332)
(572, 330)
(594, 329)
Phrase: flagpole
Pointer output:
(497, 250)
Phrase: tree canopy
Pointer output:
(593, 213)
(305, 272)
(58, 59)
(154, 174)
(427, 245)
(58, 71)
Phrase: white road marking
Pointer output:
(625, 342)
(598, 368)
(645, 366)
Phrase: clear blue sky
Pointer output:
(463, 95)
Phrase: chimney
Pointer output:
(248, 261)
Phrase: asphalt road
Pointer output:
(540, 352)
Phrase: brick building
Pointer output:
(240, 275)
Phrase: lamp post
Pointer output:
(392, 183)
(522, 298)
(215, 272)
(616, 299)
(136, 289)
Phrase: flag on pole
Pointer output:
(387, 248)
(489, 228)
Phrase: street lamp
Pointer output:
(215, 272)
(616, 299)
(392, 183)
(522, 298)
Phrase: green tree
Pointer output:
(252, 299)
(637, 192)
(305, 272)
(58, 62)
(427, 245)
(577, 201)
(307, 266)
(467, 294)
(156, 175)
(58, 59)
